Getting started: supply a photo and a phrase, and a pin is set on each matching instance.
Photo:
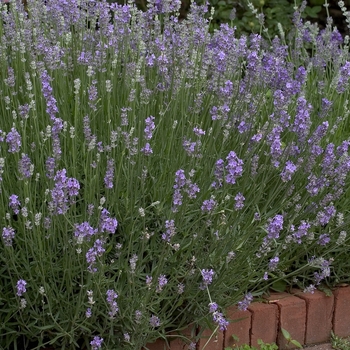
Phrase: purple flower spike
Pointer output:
(324, 239)
(162, 281)
(96, 251)
(8, 234)
(274, 227)
(25, 166)
(170, 230)
(208, 205)
(150, 126)
(109, 174)
(96, 343)
(213, 307)
(273, 263)
(73, 186)
(147, 150)
(239, 198)
(243, 305)
(21, 287)
(234, 168)
(107, 224)
(207, 276)
(111, 296)
(288, 171)
(13, 140)
(219, 319)
(14, 203)
(154, 321)
(84, 230)
(50, 167)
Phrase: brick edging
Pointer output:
(309, 318)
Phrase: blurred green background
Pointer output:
(237, 13)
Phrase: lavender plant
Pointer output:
(152, 173)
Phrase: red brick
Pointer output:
(264, 323)
(180, 343)
(240, 322)
(319, 316)
(159, 344)
(292, 311)
(341, 316)
(215, 342)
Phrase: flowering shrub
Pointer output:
(152, 173)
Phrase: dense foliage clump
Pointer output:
(154, 172)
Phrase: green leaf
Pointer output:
(45, 327)
(286, 334)
(279, 286)
(296, 343)
(316, 2)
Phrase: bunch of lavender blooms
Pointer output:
(142, 144)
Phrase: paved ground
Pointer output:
(327, 346)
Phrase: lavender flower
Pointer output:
(13, 140)
(147, 149)
(310, 289)
(109, 173)
(213, 307)
(302, 121)
(138, 316)
(239, 198)
(325, 215)
(50, 167)
(180, 182)
(273, 263)
(180, 288)
(8, 234)
(14, 203)
(113, 306)
(21, 287)
(219, 173)
(170, 230)
(108, 224)
(73, 186)
(84, 230)
(190, 147)
(133, 262)
(207, 277)
(243, 305)
(208, 205)
(93, 253)
(88, 312)
(288, 171)
(162, 281)
(180, 179)
(47, 223)
(150, 126)
(219, 319)
(177, 200)
(274, 227)
(25, 167)
(198, 131)
(96, 343)
(154, 321)
(301, 232)
(324, 239)
(192, 190)
(149, 281)
(234, 168)
(90, 209)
